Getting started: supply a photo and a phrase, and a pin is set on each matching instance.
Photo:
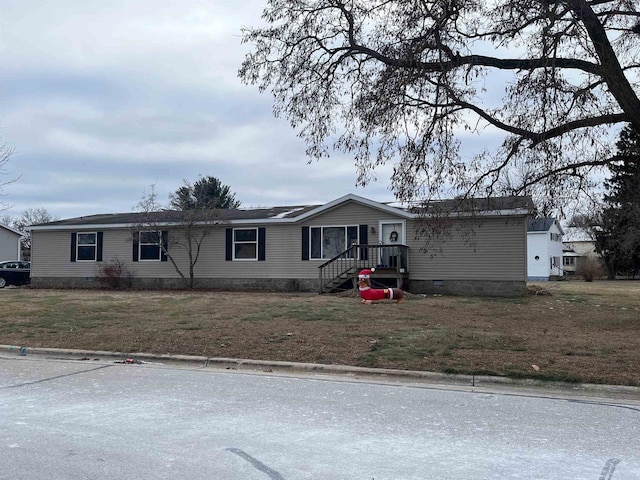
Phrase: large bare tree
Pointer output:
(425, 85)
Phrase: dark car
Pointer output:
(14, 273)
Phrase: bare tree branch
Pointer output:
(413, 83)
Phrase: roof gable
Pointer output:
(12, 230)
(543, 225)
(357, 199)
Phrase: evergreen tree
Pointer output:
(207, 193)
(619, 238)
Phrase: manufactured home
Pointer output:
(476, 247)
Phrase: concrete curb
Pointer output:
(279, 366)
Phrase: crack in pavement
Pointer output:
(609, 468)
(35, 382)
(257, 464)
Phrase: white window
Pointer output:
(245, 244)
(87, 247)
(569, 261)
(328, 242)
(150, 246)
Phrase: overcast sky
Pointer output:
(101, 99)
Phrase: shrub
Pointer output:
(591, 268)
(113, 274)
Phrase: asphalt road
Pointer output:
(100, 420)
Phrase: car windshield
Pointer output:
(15, 265)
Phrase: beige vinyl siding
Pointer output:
(283, 244)
(351, 214)
(347, 214)
(487, 249)
(282, 255)
(494, 249)
(283, 250)
(51, 256)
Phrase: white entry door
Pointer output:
(391, 233)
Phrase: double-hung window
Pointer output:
(87, 247)
(327, 242)
(245, 243)
(150, 246)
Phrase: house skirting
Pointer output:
(446, 287)
(240, 284)
(481, 288)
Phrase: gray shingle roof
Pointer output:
(476, 205)
(540, 224)
(257, 214)
(291, 213)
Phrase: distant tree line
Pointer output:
(30, 216)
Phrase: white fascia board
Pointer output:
(87, 226)
(12, 230)
(111, 226)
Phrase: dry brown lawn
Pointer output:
(581, 332)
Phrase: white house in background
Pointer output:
(9, 243)
(544, 250)
(578, 247)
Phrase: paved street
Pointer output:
(63, 419)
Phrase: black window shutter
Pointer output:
(305, 243)
(73, 246)
(99, 247)
(261, 244)
(364, 240)
(229, 245)
(165, 245)
(136, 242)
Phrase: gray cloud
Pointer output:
(103, 99)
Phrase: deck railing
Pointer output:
(392, 259)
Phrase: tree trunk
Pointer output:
(612, 72)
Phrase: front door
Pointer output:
(391, 233)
